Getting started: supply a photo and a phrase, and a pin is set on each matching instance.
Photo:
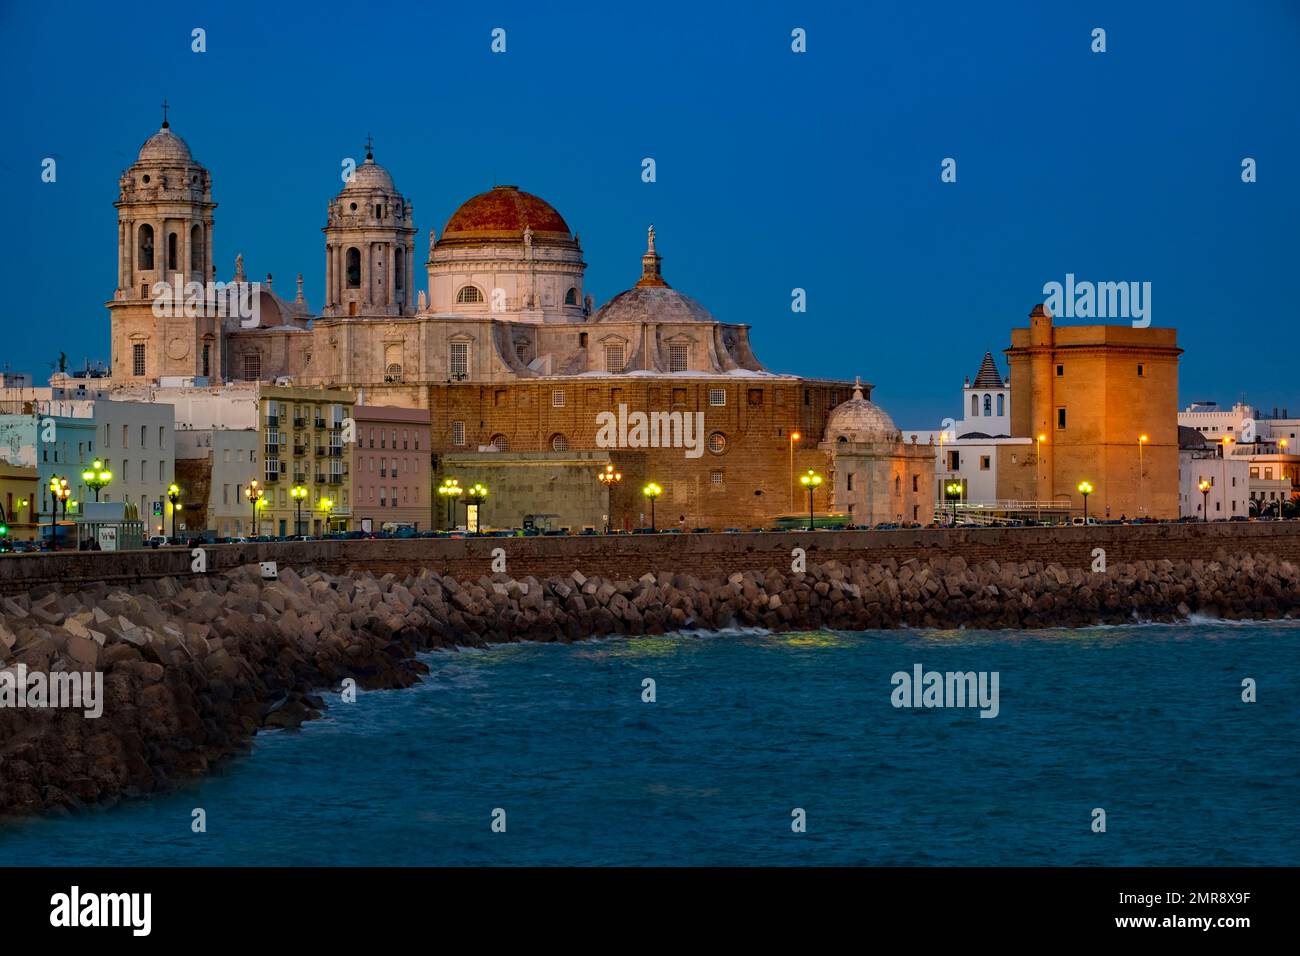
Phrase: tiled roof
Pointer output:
(988, 376)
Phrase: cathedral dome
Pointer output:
(652, 304)
(370, 176)
(860, 420)
(165, 146)
(502, 214)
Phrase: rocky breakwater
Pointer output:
(193, 667)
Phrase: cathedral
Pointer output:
(502, 346)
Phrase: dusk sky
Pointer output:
(775, 170)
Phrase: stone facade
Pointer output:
(1092, 391)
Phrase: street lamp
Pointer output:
(59, 491)
(327, 508)
(609, 478)
(1227, 440)
(794, 437)
(298, 493)
(1038, 477)
(173, 495)
(475, 496)
(254, 494)
(810, 481)
(96, 477)
(652, 491)
(1085, 489)
(450, 489)
(1142, 440)
(954, 495)
(1205, 499)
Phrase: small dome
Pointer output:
(165, 146)
(370, 176)
(860, 420)
(652, 304)
(502, 214)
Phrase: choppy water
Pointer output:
(1145, 722)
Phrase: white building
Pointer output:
(1227, 494)
(977, 451)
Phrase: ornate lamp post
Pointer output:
(174, 496)
(1205, 498)
(1085, 489)
(59, 491)
(254, 494)
(652, 491)
(609, 478)
(474, 496)
(298, 493)
(96, 477)
(954, 495)
(327, 508)
(450, 489)
(810, 481)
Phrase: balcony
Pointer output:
(336, 451)
(319, 423)
(300, 477)
(299, 450)
(272, 421)
(300, 422)
(320, 451)
(272, 476)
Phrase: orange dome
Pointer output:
(501, 214)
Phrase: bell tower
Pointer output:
(369, 246)
(160, 321)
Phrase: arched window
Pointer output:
(571, 297)
(898, 485)
(196, 249)
(145, 258)
(1001, 406)
(354, 268)
(393, 372)
(559, 442)
(974, 406)
(469, 293)
(171, 252)
(502, 443)
(988, 405)
(717, 443)
(399, 276)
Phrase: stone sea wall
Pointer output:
(194, 667)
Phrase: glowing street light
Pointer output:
(298, 493)
(1085, 489)
(810, 481)
(1205, 487)
(609, 478)
(652, 491)
(474, 497)
(450, 489)
(254, 493)
(1038, 475)
(953, 490)
(327, 509)
(794, 437)
(174, 496)
(96, 477)
(59, 491)
(1142, 440)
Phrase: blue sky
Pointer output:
(775, 170)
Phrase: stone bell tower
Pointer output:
(164, 241)
(369, 246)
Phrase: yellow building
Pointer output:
(1101, 402)
(305, 444)
(18, 496)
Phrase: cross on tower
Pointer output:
(164, 106)
(370, 145)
